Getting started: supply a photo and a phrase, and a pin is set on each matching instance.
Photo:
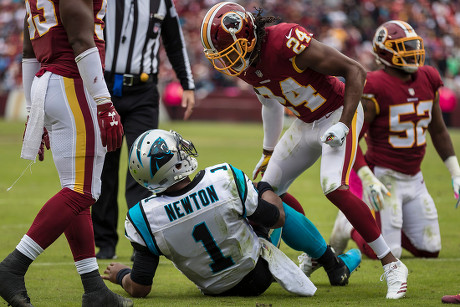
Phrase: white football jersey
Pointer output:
(203, 231)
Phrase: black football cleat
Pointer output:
(348, 263)
(105, 298)
(339, 275)
(12, 286)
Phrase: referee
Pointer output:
(132, 33)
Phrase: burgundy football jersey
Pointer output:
(308, 94)
(49, 38)
(396, 139)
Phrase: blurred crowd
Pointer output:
(12, 14)
(347, 25)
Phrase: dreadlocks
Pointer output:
(260, 23)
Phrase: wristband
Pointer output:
(452, 165)
(263, 186)
(122, 273)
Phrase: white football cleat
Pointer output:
(396, 275)
(341, 233)
(307, 264)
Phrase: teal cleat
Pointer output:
(352, 259)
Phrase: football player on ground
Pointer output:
(401, 103)
(203, 226)
(70, 110)
(289, 68)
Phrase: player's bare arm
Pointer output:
(369, 110)
(78, 20)
(132, 288)
(329, 61)
(438, 132)
(27, 49)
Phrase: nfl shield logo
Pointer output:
(411, 91)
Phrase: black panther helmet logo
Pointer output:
(159, 155)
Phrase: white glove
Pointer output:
(456, 186)
(373, 189)
(454, 170)
(261, 166)
(335, 135)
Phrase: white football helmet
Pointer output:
(158, 159)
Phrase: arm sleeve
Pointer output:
(273, 118)
(90, 69)
(30, 66)
(144, 266)
(266, 214)
(174, 43)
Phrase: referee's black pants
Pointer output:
(138, 109)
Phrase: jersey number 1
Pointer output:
(219, 261)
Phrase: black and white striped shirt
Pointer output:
(132, 34)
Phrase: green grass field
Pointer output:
(52, 279)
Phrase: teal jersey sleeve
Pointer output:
(138, 219)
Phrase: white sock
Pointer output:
(380, 247)
(29, 247)
(86, 265)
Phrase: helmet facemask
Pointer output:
(234, 59)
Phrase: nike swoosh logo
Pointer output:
(289, 36)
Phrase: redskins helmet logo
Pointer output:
(232, 22)
(159, 155)
(382, 34)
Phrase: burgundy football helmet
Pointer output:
(228, 35)
(397, 45)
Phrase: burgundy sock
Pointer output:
(56, 215)
(356, 212)
(362, 245)
(80, 236)
(292, 202)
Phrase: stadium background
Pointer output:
(347, 25)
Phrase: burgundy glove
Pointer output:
(45, 143)
(110, 125)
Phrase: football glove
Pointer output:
(456, 187)
(373, 189)
(45, 143)
(110, 126)
(454, 170)
(261, 165)
(335, 135)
